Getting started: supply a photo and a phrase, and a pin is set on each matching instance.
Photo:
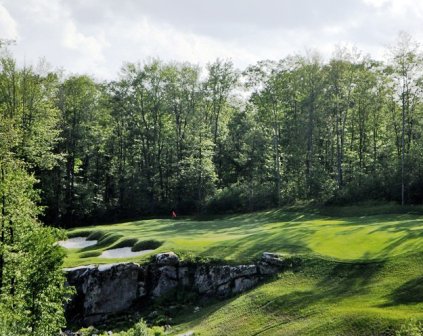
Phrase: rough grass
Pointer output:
(324, 298)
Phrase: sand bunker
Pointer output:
(76, 243)
(123, 252)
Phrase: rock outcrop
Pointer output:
(106, 290)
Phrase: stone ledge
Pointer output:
(114, 288)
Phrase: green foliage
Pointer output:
(157, 331)
(32, 284)
(169, 135)
(411, 328)
(141, 329)
(28, 115)
(240, 197)
(88, 331)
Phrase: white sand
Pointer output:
(123, 252)
(76, 243)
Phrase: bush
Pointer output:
(411, 328)
(240, 197)
(157, 331)
(88, 331)
(141, 329)
(227, 199)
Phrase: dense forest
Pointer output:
(163, 135)
(178, 136)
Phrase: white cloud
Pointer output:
(400, 8)
(376, 3)
(45, 11)
(87, 45)
(165, 41)
(8, 26)
(97, 36)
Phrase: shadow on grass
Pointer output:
(296, 237)
(339, 281)
(244, 237)
(252, 246)
(410, 292)
(246, 223)
(335, 282)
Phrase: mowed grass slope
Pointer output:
(361, 273)
(242, 238)
(324, 298)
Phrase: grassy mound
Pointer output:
(146, 245)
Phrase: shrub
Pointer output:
(240, 197)
(141, 329)
(411, 328)
(157, 331)
(88, 331)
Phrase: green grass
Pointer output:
(324, 298)
(362, 270)
(242, 238)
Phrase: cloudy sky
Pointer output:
(96, 36)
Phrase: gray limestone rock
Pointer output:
(184, 277)
(167, 280)
(244, 284)
(243, 270)
(166, 258)
(273, 259)
(202, 280)
(267, 269)
(105, 290)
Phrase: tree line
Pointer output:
(32, 285)
(167, 135)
